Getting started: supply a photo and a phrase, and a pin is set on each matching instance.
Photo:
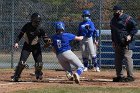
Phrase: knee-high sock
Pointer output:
(94, 62)
(85, 62)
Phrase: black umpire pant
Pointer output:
(123, 54)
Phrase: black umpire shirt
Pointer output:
(123, 23)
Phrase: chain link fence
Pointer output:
(15, 13)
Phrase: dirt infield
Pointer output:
(58, 78)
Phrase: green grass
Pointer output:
(81, 90)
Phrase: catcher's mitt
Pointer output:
(48, 42)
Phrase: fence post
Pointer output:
(100, 24)
(12, 35)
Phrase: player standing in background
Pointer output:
(62, 48)
(32, 33)
(88, 30)
(123, 31)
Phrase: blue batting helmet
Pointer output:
(86, 13)
(59, 25)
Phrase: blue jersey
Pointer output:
(61, 42)
(83, 31)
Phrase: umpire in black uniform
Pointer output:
(32, 33)
(123, 30)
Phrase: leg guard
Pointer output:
(38, 70)
(21, 65)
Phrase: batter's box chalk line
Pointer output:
(12, 83)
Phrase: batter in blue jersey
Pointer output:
(62, 48)
(61, 42)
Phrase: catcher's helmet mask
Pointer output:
(35, 17)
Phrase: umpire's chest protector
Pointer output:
(120, 31)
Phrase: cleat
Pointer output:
(129, 79)
(96, 69)
(38, 75)
(69, 76)
(15, 79)
(119, 79)
(85, 69)
(77, 78)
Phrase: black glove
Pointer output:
(48, 42)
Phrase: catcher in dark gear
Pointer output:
(32, 33)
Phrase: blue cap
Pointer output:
(59, 25)
(86, 12)
(117, 7)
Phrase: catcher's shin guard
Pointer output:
(21, 65)
(38, 70)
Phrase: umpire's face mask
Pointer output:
(117, 13)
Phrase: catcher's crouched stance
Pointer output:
(32, 33)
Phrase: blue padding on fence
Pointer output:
(110, 49)
(136, 56)
(107, 55)
(107, 62)
(110, 55)
(107, 49)
(111, 62)
(137, 43)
